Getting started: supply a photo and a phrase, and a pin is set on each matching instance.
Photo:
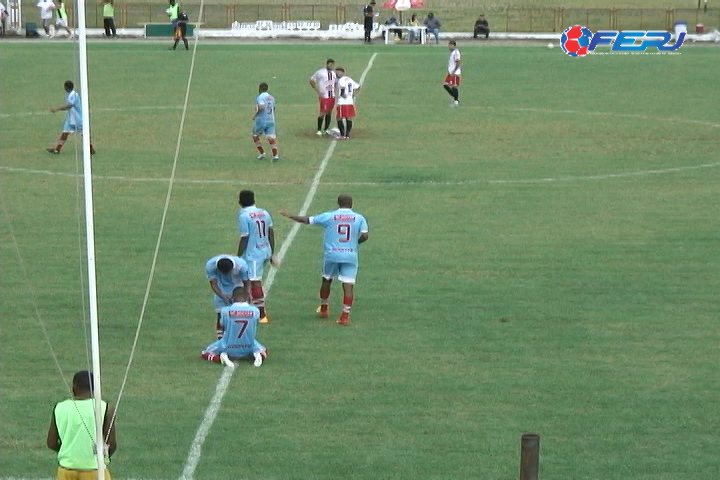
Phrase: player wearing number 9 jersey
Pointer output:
(239, 324)
(345, 229)
(256, 246)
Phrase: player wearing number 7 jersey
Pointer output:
(239, 324)
(256, 247)
(345, 229)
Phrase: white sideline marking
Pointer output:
(222, 386)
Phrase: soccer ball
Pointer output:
(575, 41)
(334, 132)
(551, 45)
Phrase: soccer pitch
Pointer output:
(542, 259)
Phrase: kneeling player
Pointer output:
(239, 323)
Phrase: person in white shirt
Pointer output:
(323, 82)
(452, 79)
(46, 14)
(347, 90)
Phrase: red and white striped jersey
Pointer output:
(326, 80)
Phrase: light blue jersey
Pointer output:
(255, 223)
(226, 282)
(265, 119)
(266, 108)
(73, 117)
(239, 322)
(342, 232)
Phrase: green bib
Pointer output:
(75, 421)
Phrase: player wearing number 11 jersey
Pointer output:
(345, 229)
(256, 247)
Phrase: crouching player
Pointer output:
(239, 323)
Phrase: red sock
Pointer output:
(210, 357)
(258, 299)
(258, 145)
(323, 302)
(347, 304)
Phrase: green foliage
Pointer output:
(543, 259)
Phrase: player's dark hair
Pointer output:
(246, 198)
(69, 85)
(328, 61)
(344, 200)
(340, 69)
(453, 43)
(263, 87)
(225, 265)
(83, 381)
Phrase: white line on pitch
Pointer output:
(222, 386)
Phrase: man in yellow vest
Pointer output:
(109, 18)
(72, 432)
(62, 19)
(173, 11)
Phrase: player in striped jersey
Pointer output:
(323, 82)
(256, 246)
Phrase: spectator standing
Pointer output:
(3, 18)
(109, 18)
(368, 17)
(433, 26)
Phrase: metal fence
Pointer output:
(457, 19)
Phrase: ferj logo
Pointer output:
(578, 41)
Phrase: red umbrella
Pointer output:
(401, 5)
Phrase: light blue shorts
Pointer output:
(345, 272)
(264, 128)
(219, 347)
(256, 268)
(67, 128)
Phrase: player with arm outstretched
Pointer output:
(344, 230)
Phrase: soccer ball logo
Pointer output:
(575, 41)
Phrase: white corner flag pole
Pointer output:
(90, 240)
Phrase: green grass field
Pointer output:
(542, 259)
